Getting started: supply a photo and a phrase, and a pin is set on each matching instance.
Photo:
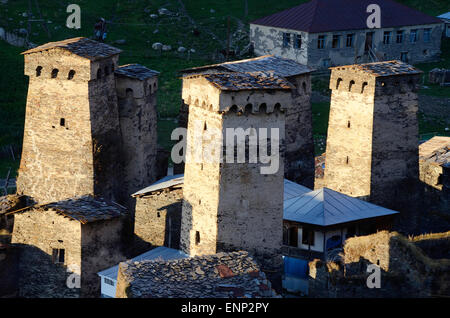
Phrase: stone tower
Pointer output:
(299, 155)
(72, 131)
(230, 206)
(136, 88)
(372, 144)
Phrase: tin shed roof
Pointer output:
(160, 253)
(83, 47)
(325, 207)
(268, 63)
(335, 15)
(291, 189)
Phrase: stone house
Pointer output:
(324, 33)
(157, 220)
(85, 117)
(299, 153)
(373, 134)
(221, 275)
(64, 241)
(434, 171)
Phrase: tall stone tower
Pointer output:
(230, 206)
(136, 88)
(372, 144)
(299, 156)
(72, 132)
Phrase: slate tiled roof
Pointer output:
(268, 63)
(335, 15)
(84, 209)
(386, 68)
(83, 47)
(247, 81)
(136, 71)
(436, 150)
(325, 207)
(221, 275)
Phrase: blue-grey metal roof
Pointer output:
(444, 16)
(164, 183)
(291, 189)
(325, 207)
(162, 252)
(268, 63)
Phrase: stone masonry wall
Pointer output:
(158, 219)
(230, 206)
(138, 125)
(348, 160)
(57, 161)
(37, 232)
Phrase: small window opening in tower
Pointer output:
(338, 82)
(99, 73)
(347, 160)
(106, 71)
(71, 74)
(199, 202)
(38, 71)
(112, 67)
(129, 92)
(150, 88)
(154, 87)
(55, 73)
(62, 122)
(348, 124)
(197, 237)
(158, 214)
(205, 127)
(363, 87)
(352, 82)
(304, 87)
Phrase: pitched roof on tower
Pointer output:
(386, 68)
(247, 81)
(268, 63)
(335, 15)
(136, 71)
(83, 47)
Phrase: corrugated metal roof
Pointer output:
(445, 16)
(379, 69)
(159, 253)
(268, 63)
(164, 183)
(83, 47)
(136, 71)
(335, 15)
(325, 207)
(291, 189)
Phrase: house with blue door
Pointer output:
(317, 223)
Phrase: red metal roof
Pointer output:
(335, 15)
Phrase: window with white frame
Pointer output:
(426, 35)
(108, 281)
(286, 39)
(387, 37)
(298, 41)
(413, 36)
(321, 42)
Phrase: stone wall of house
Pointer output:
(232, 205)
(158, 219)
(37, 232)
(405, 269)
(88, 249)
(138, 121)
(101, 248)
(373, 136)
(269, 40)
(71, 128)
